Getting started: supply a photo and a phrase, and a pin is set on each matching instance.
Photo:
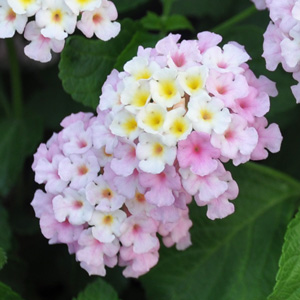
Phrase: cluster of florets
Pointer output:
(282, 38)
(163, 129)
(54, 20)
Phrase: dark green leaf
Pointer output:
(177, 22)
(99, 290)
(3, 258)
(6, 293)
(233, 258)
(126, 5)
(153, 21)
(287, 281)
(19, 138)
(5, 232)
(85, 64)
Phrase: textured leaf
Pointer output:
(177, 22)
(85, 64)
(233, 258)
(288, 278)
(3, 258)
(153, 21)
(6, 293)
(18, 139)
(99, 290)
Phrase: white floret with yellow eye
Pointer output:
(154, 154)
(165, 88)
(124, 124)
(78, 6)
(136, 95)
(208, 114)
(140, 68)
(28, 7)
(176, 127)
(151, 118)
(193, 79)
(56, 20)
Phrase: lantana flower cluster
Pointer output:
(282, 38)
(164, 128)
(46, 24)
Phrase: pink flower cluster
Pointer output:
(164, 128)
(54, 21)
(282, 38)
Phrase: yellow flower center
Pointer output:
(107, 220)
(167, 89)
(154, 120)
(194, 82)
(206, 115)
(179, 127)
(140, 98)
(129, 125)
(57, 16)
(157, 150)
(143, 74)
(107, 193)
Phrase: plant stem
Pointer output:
(235, 19)
(15, 78)
(167, 4)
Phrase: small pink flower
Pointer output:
(197, 153)
(40, 47)
(161, 186)
(139, 232)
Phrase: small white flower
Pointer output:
(165, 89)
(125, 124)
(135, 95)
(10, 22)
(99, 22)
(140, 68)
(28, 7)
(82, 5)
(107, 225)
(151, 118)
(208, 114)
(176, 127)
(56, 19)
(72, 206)
(154, 154)
(193, 79)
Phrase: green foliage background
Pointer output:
(251, 255)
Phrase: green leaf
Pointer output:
(153, 21)
(177, 22)
(5, 232)
(126, 5)
(233, 258)
(19, 138)
(99, 290)
(6, 293)
(287, 281)
(3, 258)
(85, 64)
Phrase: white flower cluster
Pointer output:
(54, 21)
